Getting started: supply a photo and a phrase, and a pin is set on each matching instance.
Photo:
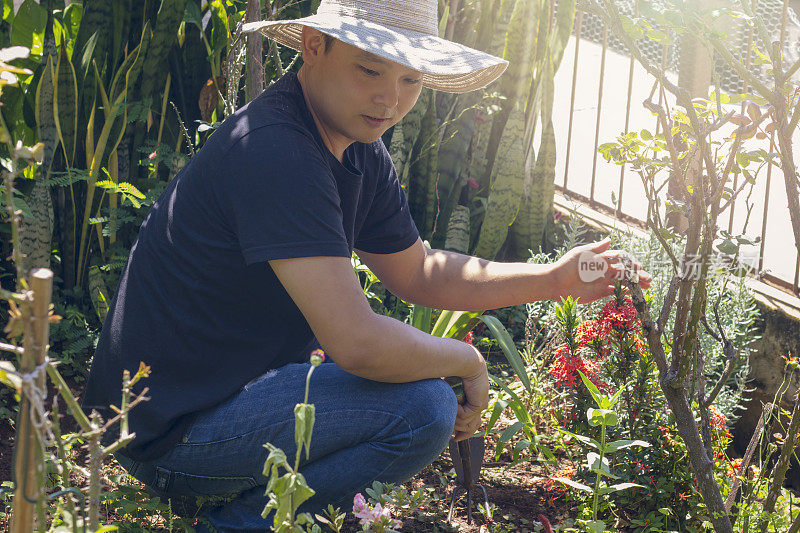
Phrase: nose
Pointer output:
(389, 95)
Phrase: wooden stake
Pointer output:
(28, 464)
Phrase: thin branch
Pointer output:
(741, 70)
(136, 401)
(613, 19)
(669, 299)
(795, 116)
(778, 473)
(791, 70)
(649, 328)
(748, 454)
(11, 348)
(731, 356)
(763, 33)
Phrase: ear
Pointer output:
(312, 44)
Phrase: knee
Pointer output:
(439, 404)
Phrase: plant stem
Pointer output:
(597, 479)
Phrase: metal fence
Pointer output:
(604, 85)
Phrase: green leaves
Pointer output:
(567, 314)
(599, 465)
(509, 349)
(126, 190)
(601, 417)
(620, 486)
(574, 484)
(421, 318)
(612, 447)
(286, 492)
(275, 459)
(304, 416)
(219, 25)
(28, 27)
(8, 375)
(452, 324)
(192, 15)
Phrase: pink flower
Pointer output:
(472, 183)
(373, 515)
(152, 156)
(360, 507)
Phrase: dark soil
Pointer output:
(518, 494)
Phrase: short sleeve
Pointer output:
(388, 227)
(283, 196)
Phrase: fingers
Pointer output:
(622, 264)
(600, 245)
(468, 421)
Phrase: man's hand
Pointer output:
(586, 272)
(476, 399)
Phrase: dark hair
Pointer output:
(328, 41)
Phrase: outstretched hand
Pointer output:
(587, 272)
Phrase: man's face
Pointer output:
(357, 96)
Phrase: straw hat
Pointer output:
(403, 31)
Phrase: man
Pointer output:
(243, 266)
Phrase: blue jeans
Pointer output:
(365, 431)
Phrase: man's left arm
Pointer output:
(448, 280)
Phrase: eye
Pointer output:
(368, 72)
(412, 81)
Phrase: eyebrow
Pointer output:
(372, 57)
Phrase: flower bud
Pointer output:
(317, 357)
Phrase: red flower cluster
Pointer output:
(590, 335)
(616, 317)
(733, 467)
(566, 366)
(567, 472)
(718, 421)
(587, 332)
(666, 437)
(469, 339)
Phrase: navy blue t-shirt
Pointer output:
(198, 301)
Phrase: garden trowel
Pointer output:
(467, 457)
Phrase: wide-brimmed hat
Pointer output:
(403, 31)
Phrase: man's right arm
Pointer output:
(366, 344)
(372, 346)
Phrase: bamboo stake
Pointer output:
(28, 463)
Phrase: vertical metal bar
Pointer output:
(766, 206)
(578, 27)
(784, 20)
(733, 203)
(796, 287)
(627, 123)
(769, 167)
(745, 87)
(599, 109)
(664, 53)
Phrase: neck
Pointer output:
(305, 84)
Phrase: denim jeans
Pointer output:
(365, 431)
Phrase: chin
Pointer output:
(367, 139)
